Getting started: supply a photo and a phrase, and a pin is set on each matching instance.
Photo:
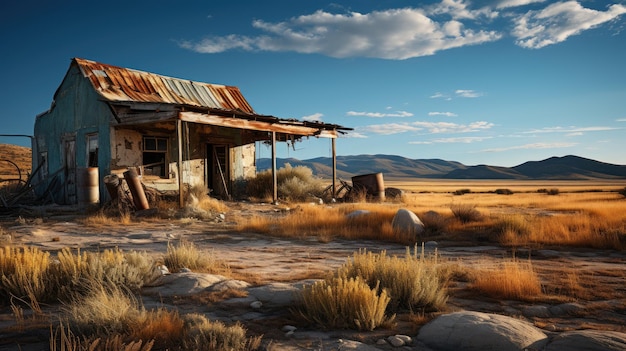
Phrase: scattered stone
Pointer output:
(479, 331)
(256, 304)
(406, 222)
(399, 340)
(381, 342)
(588, 340)
(185, 270)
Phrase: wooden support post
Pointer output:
(334, 168)
(179, 164)
(274, 177)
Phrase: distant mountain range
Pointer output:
(555, 168)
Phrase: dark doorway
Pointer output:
(218, 170)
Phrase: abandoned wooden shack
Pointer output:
(173, 132)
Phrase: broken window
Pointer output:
(154, 156)
(92, 150)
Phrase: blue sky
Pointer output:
(480, 82)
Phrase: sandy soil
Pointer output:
(264, 259)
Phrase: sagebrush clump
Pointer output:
(295, 184)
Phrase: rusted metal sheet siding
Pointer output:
(124, 84)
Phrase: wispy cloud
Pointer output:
(430, 127)
(461, 140)
(533, 146)
(379, 114)
(620, 120)
(559, 21)
(439, 95)
(516, 3)
(468, 93)
(316, 117)
(388, 129)
(447, 127)
(570, 130)
(446, 114)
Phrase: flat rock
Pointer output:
(278, 294)
(182, 284)
(479, 331)
(588, 340)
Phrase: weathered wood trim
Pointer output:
(239, 123)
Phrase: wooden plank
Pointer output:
(240, 123)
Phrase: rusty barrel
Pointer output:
(88, 186)
(372, 183)
(136, 190)
(112, 183)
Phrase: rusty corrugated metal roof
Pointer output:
(125, 84)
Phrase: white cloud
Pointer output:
(446, 114)
(515, 3)
(620, 120)
(388, 129)
(468, 93)
(396, 34)
(379, 114)
(462, 140)
(353, 134)
(447, 127)
(459, 9)
(533, 146)
(559, 21)
(570, 130)
(439, 95)
(316, 117)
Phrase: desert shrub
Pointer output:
(434, 222)
(186, 255)
(342, 302)
(465, 212)
(461, 191)
(510, 280)
(64, 339)
(513, 229)
(24, 274)
(202, 334)
(76, 274)
(504, 191)
(552, 191)
(412, 281)
(104, 310)
(294, 184)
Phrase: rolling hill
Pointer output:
(396, 167)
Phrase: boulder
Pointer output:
(276, 294)
(406, 223)
(588, 340)
(479, 331)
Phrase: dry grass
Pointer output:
(512, 280)
(186, 255)
(344, 303)
(24, 274)
(413, 281)
(583, 214)
(202, 334)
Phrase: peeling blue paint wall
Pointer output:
(77, 111)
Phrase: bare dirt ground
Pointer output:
(261, 259)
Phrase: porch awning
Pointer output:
(264, 124)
